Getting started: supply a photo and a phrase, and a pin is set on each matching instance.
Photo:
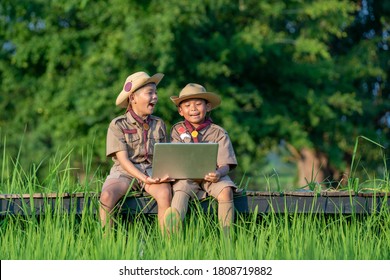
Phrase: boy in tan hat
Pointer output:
(193, 103)
(130, 140)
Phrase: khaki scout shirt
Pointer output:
(125, 134)
(213, 134)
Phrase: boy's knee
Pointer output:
(105, 197)
(225, 195)
(165, 192)
(188, 187)
(181, 195)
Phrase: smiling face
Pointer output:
(194, 110)
(143, 100)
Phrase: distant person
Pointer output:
(130, 141)
(193, 103)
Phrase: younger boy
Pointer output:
(193, 103)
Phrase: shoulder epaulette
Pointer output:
(119, 118)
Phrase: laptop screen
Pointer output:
(184, 160)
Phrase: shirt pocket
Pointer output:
(157, 137)
(132, 138)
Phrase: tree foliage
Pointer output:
(297, 74)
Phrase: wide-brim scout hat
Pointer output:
(134, 82)
(196, 91)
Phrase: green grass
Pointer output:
(293, 236)
(360, 180)
(267, 237)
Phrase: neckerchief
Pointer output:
(145, 127)
(194, 131)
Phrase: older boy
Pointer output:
(193, 103)
(130, 141)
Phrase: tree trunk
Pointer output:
(312, 167)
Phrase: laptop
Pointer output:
(184, 160)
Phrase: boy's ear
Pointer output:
(208, 107)
(180, 111)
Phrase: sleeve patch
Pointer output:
(181, 130)
(129, 131)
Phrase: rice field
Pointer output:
(255, 236)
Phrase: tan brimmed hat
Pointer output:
(196, 91)
(134, 82)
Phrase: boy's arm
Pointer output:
(223, 170)
(218, 174)
(135, 172)
(129, 166)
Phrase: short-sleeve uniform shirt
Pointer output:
(226, 156)
(126, 134)
(210, 134)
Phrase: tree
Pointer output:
(282, 79)
(297, 76)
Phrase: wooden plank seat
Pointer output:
(328, 202)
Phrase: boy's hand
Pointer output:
(213, 177)
(166, 179)
(150, 180)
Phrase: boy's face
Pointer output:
(144, 100)
(194, 110)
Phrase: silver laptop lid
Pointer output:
(184, 160)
